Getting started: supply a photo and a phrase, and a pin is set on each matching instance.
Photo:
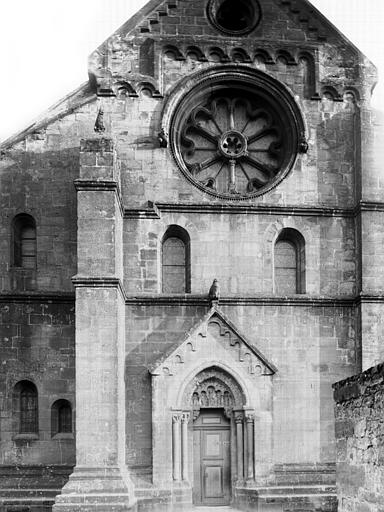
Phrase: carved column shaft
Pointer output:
(176, 447)
(184, 445)
(239, 445)
(249, 421)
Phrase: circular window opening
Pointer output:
(235, 17)
(235, 138)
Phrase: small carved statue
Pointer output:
(99, 124)
(214, 291)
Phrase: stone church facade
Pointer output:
(215, 139)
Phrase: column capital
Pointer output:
(238, 416)
(177, 416)
(185, 417)
(249, 416)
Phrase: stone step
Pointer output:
(18, 494)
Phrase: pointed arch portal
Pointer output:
(211, 400)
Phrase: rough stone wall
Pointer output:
(37, 345)
(360, 441)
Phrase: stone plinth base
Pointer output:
(176, 499)
(299, 498)
(107, 489)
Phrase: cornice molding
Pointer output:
(365, 298)
(168, 300)
(101, 185)
(154, 210)
(80, 281)
(187, 299)
(36, 297)
(255, 209)
(370, 206)
(202, 300)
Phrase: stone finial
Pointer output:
(99, 124)
(214, 291)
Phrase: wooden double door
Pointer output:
(211, 458)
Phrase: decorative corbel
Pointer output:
(162, 138)
(303, 145)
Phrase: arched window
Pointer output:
(24, 241)
(289, 262)
(308, 73)
(27, 407)
(175, 261)
(61, 417)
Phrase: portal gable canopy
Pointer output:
(215, 339)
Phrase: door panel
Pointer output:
(211, 459)
(213, 482)
(212, 444)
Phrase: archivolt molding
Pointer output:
(178, 220)
(274, 229)
(212, 388)
(223, 369)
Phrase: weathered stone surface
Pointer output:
(102, 204)
(359, 436)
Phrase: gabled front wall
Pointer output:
(313, 340)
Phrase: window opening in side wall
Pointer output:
(175, 261)
(289, 262)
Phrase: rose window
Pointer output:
(236, 140)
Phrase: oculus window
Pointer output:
(234, 17)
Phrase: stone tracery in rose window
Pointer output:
(232, 144)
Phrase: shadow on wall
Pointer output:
(43, 191)
(161, 328)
